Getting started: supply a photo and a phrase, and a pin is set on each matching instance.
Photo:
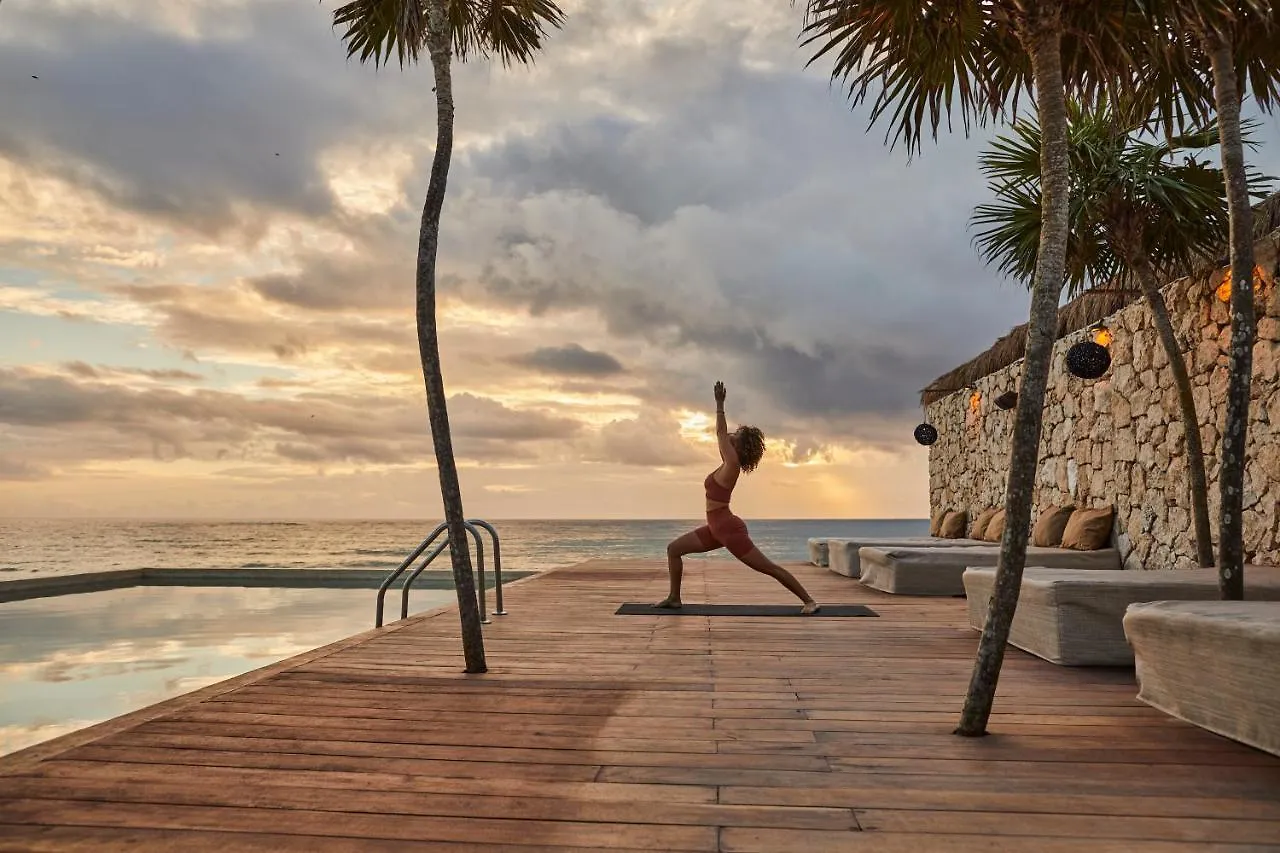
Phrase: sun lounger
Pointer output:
(1212, 664)
(940, 571)
(818, 552)
(843, 553)
(1075, 618)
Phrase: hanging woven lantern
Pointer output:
(1088, 360)
(1007, 400)
(926, 434)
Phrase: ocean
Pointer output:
(42, 547)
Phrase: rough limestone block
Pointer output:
(940, 571)
(1076, 618)
(1212, 664)
(818, 552)
(843, 553)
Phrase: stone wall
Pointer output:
(1119, 440)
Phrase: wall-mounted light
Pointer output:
(1224, 289)
(1088, 360)
(926, 434)
(975, 401)
(1102, 336)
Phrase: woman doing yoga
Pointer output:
(739, 451)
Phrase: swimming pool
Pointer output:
(69, 661)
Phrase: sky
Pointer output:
(208, 226)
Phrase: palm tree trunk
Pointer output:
(438, 44)
(1243, 322)
(1042, 38)
(1198, 481)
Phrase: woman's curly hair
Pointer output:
(750, 447)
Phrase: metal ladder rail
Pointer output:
(471, 526)
(386, 584)
(497, 563)
(404, 590)
(475, 534)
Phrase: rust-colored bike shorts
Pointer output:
(725, 530)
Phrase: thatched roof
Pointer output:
(1088, 308)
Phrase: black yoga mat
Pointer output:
(632, 608)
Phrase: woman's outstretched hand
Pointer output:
(719, 393)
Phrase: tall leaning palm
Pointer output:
(1137, 213)
(1211, 52)
(919, 62)
(513, 31)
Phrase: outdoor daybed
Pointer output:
(948, 529)
(940, 571)
(1075, 618)
(1212, 664)
(843, 553)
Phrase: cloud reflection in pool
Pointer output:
(73, 660)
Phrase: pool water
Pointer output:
(69, 661)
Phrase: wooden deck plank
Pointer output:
(593, 731)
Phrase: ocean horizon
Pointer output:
(44, 546)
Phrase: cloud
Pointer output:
(477, 417)
(190, 131)
(99, 420)
(650, 441)
(19, 469)
(570, 360)
(89, 371)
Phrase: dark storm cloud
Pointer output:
(570, 360)
(181, 129)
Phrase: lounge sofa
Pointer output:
(1075, 618)
(1212, 664)
(843, 553)
(940, 571)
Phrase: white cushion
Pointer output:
(1075, 618)
(1212, 664)
(940, 571)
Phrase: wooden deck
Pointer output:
(603, 732)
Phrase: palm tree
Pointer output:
(1207, 50)
(1135, 214)
(918, 61)
(512, 30)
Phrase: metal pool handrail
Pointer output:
(475, 534)
(497, 563)
(471, 526)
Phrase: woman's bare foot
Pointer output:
(810, 608)
(669, 603)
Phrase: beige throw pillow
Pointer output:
(953, 525)
(979, 528)
(995, 528)
(1050, 526)
(935, 524)
(1089, 529)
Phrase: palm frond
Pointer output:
(1126, 189)
(378, 29)
(1177, 89)
(920, 64)
(511, 30)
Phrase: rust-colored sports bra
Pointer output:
(715, 491)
